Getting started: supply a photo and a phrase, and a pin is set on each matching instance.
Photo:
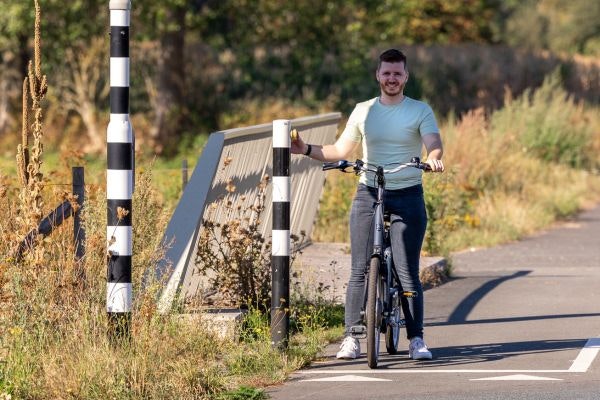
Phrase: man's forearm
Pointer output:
(323, 153)
(340, 150)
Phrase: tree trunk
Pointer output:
(24, 55)
(96, 136)
(4, 114)
(170, 102)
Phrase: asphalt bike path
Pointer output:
(517, 321)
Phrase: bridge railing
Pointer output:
(239, 157)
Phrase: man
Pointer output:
(392, 129)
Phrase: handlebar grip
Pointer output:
(342, 164)
(421, 165)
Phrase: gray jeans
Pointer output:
(408, 223)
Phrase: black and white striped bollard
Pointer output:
(280, 261)
(119, 175)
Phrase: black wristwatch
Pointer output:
(308, 150)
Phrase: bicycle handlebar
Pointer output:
(360, 166)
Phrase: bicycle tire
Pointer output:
(373, 310)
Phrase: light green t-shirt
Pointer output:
(391, 134)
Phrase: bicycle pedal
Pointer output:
(358, 331)
(409, 294)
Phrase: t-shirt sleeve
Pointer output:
(428, 123)
(352, 130)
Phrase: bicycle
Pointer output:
(382, 308)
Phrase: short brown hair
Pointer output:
(392, 56)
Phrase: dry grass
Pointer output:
(53, 327)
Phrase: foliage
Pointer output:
(447, 210)
(554, 128)
(318, 54)
(244, 393)
(437, 21)
(559, 25)
(63, 26)
(334, 208)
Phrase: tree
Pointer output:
(84, 87)
(437, 21)
(64, 28)
(167, 23)
(571, 26)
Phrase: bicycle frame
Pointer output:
(383, 289)
(379, 228)
(381, 239)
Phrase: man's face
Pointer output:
(392, 78)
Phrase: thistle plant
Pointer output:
(29, 158)
(235, 251)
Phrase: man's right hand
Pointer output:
(298, 146)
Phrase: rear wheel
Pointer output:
(373, 310)
(392, 333)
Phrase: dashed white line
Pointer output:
(347, 378)
(519, 377)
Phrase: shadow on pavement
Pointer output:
(464, 308)
(462, 355)
(513, 319)
(476, 354)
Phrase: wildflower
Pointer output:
(230, 186)
(15, 330)
(121, 213)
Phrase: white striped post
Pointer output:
(280, 254)
(119, 174)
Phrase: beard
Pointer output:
(392, 91)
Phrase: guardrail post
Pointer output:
(119, 175)
(184, 174)
(280, 261)
(78, 229)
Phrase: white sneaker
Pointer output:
(417, 349)
(349, 349)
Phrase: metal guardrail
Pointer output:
(55, 218)
(242, 156)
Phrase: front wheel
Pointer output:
(373, 310)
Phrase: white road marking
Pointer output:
(431, 371)
(581, 364)
(519, 377)
(586, 356)
(347, 378)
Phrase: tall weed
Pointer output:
(550, 125)
(334, 209)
